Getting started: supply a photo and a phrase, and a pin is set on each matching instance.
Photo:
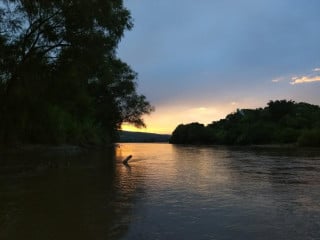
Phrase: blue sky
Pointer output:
(200, 60)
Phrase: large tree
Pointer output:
(60, 78)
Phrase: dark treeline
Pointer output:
(60, 78)
(125, 136)
(280, 122)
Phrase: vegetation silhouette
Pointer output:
(60, 78)
(126, 136)
(280, 122)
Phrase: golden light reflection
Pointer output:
(148, 161)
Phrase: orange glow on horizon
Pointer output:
(131, 128)
(166, 118)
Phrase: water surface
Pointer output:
(166, 192)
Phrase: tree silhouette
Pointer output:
(280, 122)
(60, 78)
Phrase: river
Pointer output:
(166, 192)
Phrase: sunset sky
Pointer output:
(200, 60)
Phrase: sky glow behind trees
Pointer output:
(200, 60)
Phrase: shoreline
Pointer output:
(50, 148)
(267, 146)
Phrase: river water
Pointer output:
(166, 192)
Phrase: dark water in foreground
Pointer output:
(168, 192)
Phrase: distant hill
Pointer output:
(125, 136)
(280, 122)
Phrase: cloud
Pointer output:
(301, 78)
(279, 79)
(304, 79)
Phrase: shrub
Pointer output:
(310, 138)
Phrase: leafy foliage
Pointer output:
(191, 133)
(60, 78)
(281, 121)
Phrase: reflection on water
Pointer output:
(166, 192)
(62, 197)
(223, 193)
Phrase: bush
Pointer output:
(287, 135)
(310, 138)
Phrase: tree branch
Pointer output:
(35, 26)
(51, 47)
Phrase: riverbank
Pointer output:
(65, 149)
(291, 145)
(283, 146)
